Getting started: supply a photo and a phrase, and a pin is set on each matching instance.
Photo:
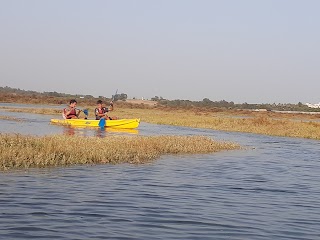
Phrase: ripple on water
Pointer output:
(269, 192)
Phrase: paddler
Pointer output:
(71, 112)
(101, 111)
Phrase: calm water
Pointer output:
(270, 191)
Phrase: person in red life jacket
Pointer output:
(71, 112)
(101, 111)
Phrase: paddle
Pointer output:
(85, 111)
(102, 121)
(114, 96)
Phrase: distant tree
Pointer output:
(121, 96)
(155, 98)
(53, 94)
(206, 101)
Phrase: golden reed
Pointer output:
(22, 152)
(297, 126)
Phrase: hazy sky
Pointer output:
(255, 51)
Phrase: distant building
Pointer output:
(316, 105)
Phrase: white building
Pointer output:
(310, 105)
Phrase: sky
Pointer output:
(264, 51)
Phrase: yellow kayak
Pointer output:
(119, 123)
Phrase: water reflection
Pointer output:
(68, 131)
(100, 132)
(127, 131)
(97, 132)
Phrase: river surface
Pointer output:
(271, 190)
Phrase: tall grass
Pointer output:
(261, 124)
(18, 151)
(46, 111)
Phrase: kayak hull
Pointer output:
(119, 123)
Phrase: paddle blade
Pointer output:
(86, 112)
(102, 123)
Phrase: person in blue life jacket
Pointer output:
(101, 111)
(71, 112)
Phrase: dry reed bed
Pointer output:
(8, 118)
(19, 151)
(45, 111)
(199, 112)
(261, 124)
(48, 111)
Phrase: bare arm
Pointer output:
(67, 111)
(77, 113)
(110, 108)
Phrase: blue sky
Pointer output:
(243, 51)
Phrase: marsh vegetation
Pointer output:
(302, 126)
(9, 118)
(22, 152)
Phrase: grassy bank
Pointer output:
(265, 123)
(18, 151)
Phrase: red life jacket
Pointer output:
(100, 111)
(72, 113)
